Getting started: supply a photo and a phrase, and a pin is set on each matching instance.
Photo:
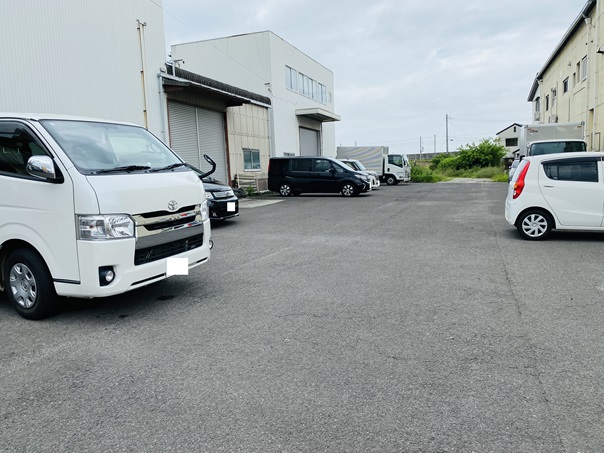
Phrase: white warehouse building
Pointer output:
(96, 59)
(106, 59)
(299, 88)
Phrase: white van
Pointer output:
(91, 208)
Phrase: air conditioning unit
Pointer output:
(536, 116)
(553, 119)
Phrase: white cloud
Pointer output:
(401, 65)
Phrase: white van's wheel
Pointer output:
(28, 284)
(391, 180)
(534, 225)
(285, 190)
(348, 190)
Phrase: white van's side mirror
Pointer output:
(42, 167)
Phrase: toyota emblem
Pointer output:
(172, 205)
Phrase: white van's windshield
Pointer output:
(100, 148)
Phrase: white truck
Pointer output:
(535, 139)
(391, 168)
(92, 208)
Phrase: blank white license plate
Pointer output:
(231, 206)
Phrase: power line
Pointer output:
(262, 78)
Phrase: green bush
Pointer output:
(420, 173)
(487, 153)
(448, 163)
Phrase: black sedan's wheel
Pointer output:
(348, 190)
(29, 286)
(285, 190)
(534, 225)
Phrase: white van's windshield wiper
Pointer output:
(126, 168)
(170, 167)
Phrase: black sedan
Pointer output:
(222, 202)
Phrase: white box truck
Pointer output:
(391, 168)
(92, 208)
(535, 139)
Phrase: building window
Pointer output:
(304, 85)
(547, 102)
(565, 86)
(511, 142)
(251, 159)
(291, 79)
(584, 68)
(554, 96)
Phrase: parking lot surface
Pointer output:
(409, 319)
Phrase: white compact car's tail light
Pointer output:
(519, 183)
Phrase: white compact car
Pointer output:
(557, 191)
(374, 178)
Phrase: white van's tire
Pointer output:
(391, 180)
(28, 284)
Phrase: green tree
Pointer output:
(488, 153)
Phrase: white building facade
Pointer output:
(106, 59)
(97, 59)
(508, 137)
(300, 89)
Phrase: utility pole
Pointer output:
(420, 147)
(447, 130)
(435, 144)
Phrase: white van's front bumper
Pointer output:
(120, 256)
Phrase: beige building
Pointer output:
(570, 85)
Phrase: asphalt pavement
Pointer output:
(409, 319)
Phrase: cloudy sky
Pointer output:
(401, 66)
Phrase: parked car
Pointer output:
(222, 201)
(296, 175)
(374, 178)
(557, 191)
(512, 169)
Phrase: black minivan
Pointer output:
(295, 175)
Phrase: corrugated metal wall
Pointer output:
(194, 132)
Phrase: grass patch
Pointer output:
(423, 173)
(420, 173)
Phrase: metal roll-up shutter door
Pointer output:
(309, 142)
(210, 130)
(183, 132)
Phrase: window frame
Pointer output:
(252, 152)
(574, 162)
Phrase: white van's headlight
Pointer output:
(99, 227)
(204, 210)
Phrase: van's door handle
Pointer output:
(548, 186)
